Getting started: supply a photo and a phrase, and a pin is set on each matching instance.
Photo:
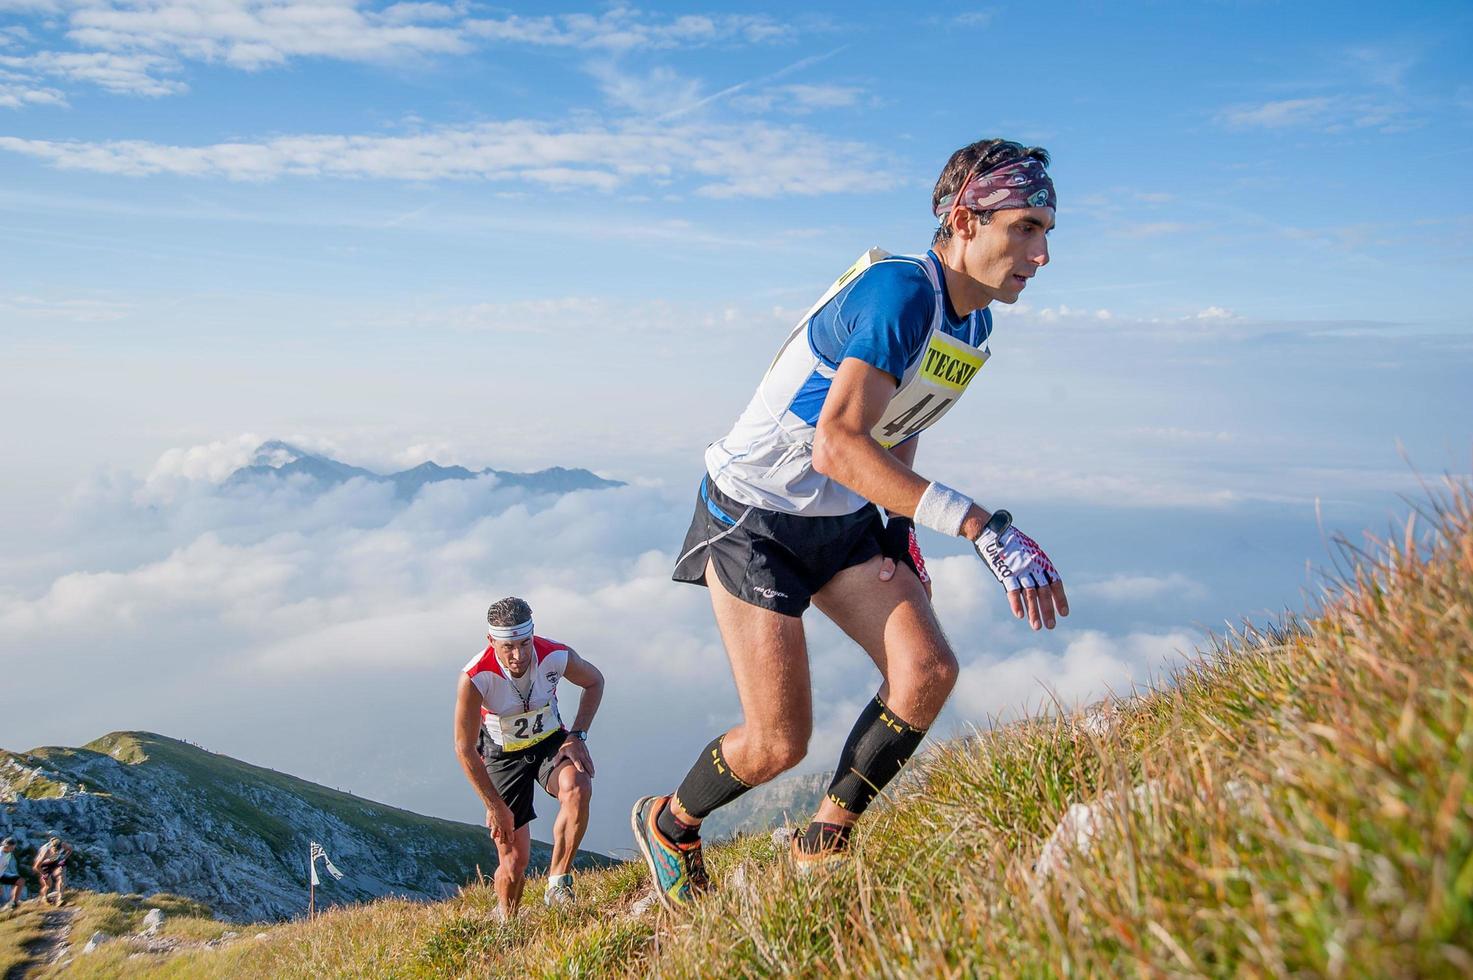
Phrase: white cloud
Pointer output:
(212, 462)
(130, 46)
(1150, 229)
(660, 90)
(409, 13)
(626, 29)
(1091, 664)
(974, 18)
(1201, 325)
(800, 99)
(133, 74)
(18, 94)
(32, 6)
(1055, 314)
(1216, 313)
(252, 34)
(1323, 113)
(752, 160)
(1279, 113)
(1140, 588)
(1123, 484)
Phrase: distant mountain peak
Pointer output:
(276, 454)
(276, 460)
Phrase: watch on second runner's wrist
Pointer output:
(581, 734)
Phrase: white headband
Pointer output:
(518, 632)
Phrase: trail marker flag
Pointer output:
(318, 852)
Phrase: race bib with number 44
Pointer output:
(942, 374)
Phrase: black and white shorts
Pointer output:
(770, 559)
(517, 774)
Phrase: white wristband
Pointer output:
(943, 509)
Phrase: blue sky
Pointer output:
(532, 236)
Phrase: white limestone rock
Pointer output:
(153, 921)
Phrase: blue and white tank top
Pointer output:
(890, 311)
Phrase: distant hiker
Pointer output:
(9, 873)
(50, 865)
(509, 737)
(788, 512)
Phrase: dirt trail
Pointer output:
(56, 929)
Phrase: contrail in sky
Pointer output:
(781, 72)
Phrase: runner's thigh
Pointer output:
(769, 660)
(893, 621)
(553, 782)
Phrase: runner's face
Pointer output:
(516, 654)
(1005, 253)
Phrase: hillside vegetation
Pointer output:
(149, 813)
(40, 940)
(1295, 802)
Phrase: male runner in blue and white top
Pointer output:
(789, 511)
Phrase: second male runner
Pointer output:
(789, 511)
(510, 740)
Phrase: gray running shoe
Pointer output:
(559, 891)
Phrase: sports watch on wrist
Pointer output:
(581, 734)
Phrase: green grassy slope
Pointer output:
(152, 813)
(1298, 802)
(219, 779)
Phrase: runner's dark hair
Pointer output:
(978, 157)
(510, 611)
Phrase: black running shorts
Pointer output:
(517, 774)
(769, 559)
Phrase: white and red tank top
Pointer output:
(520, 711)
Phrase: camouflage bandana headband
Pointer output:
(1018, 184)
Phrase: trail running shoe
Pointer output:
(832, 849)
(677, 870)
(559, 891)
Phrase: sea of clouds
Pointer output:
(321, 632)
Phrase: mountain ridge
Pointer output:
(152, 813)
(276, 460)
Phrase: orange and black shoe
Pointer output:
(821, 845)
(678, 871)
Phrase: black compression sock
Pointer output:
(879, 745)
(710, 783)
(823, 837)
(674, 828)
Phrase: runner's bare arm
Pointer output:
(844, 450)
(587, 676)
(467, 728)
(906, 451)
